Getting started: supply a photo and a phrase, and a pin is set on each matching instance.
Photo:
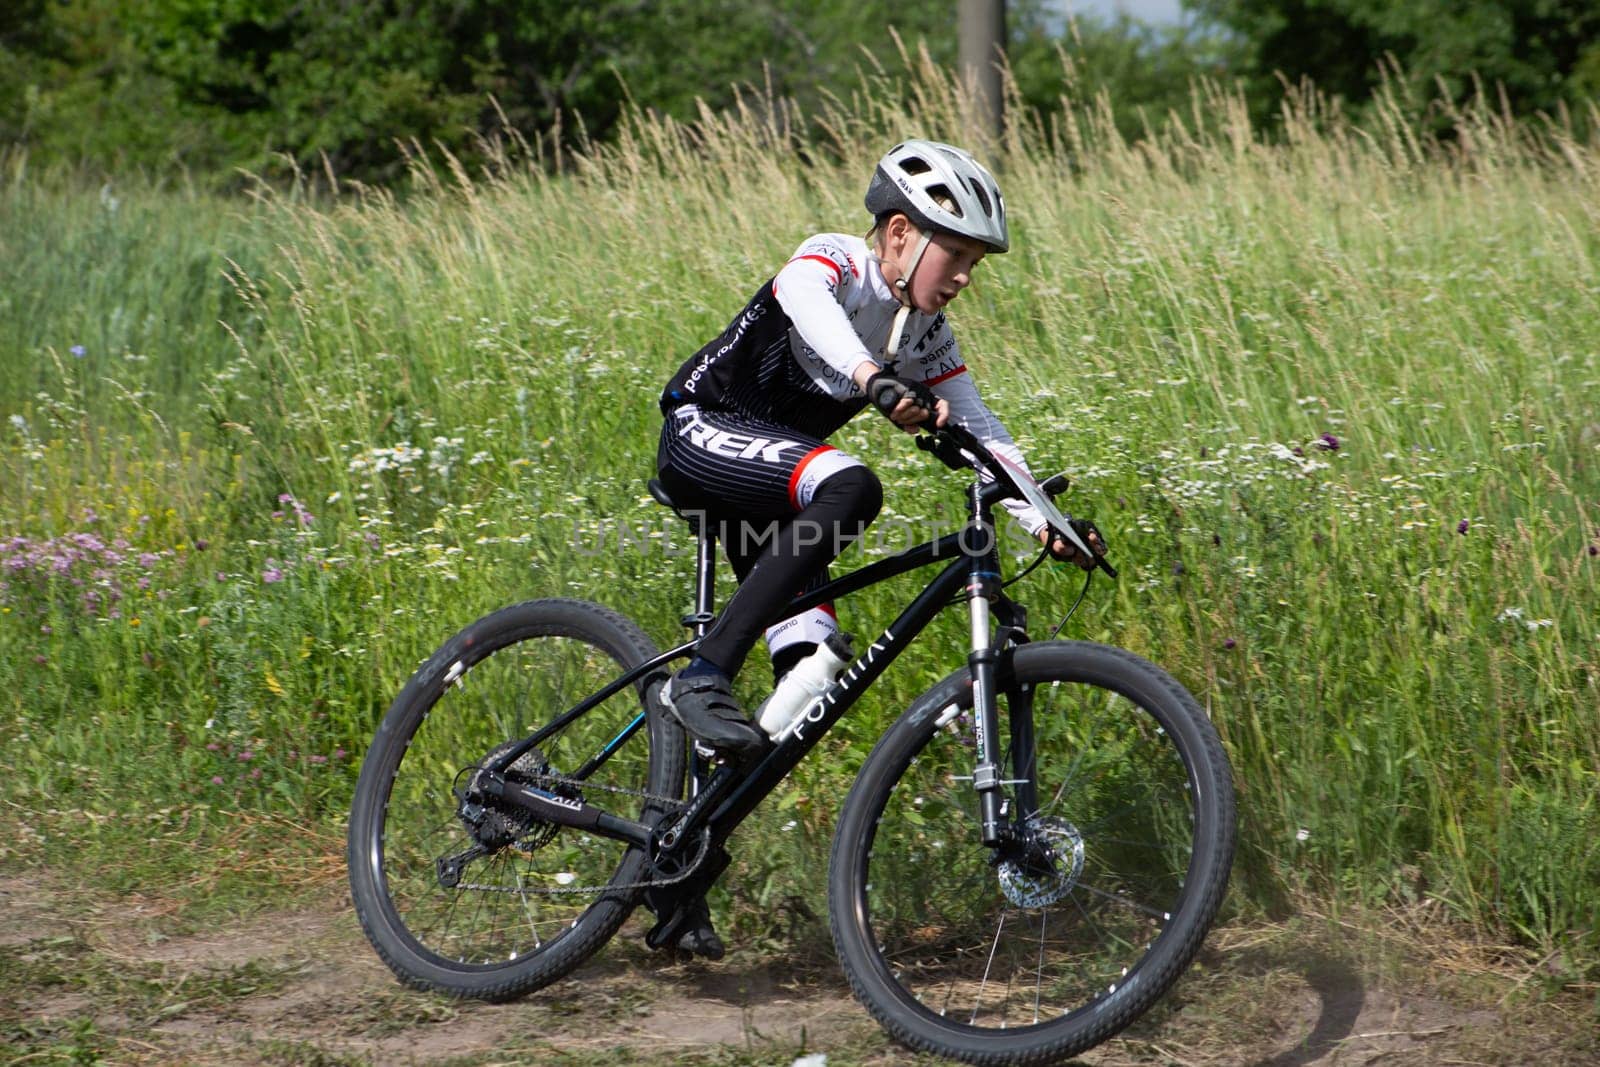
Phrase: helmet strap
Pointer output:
(896, 334)
(902, 284)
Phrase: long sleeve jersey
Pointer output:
(788, 357)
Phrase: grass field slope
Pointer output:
(1332, 392)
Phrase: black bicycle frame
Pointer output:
(731, 794)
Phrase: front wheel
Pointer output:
(1121, 814)
(469, 896)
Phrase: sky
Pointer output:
(1157, 12)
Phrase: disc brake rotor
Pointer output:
(1029, 887)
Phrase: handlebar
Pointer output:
(959, 449)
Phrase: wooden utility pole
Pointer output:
(982, 26)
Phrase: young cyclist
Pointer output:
(845, 323)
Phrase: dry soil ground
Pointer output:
(94, 979)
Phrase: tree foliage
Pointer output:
(236, 82)
(208, 86)
(1146, 71)
(1541, 53)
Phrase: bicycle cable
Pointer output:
(1030, 569)
(1088, 576)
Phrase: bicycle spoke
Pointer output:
(1117, 823)
(999, 927)
(517, 886)
(1122, 901)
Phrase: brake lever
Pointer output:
(947, 451)
(1084, 528)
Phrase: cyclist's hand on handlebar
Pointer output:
(1067, 552)
(906, 403)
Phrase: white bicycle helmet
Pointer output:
(916, 175)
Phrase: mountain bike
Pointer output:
(1028, 859)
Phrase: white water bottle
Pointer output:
(805, 681)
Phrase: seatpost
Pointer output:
(705, 591)
(705, 573)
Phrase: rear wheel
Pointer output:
(468, 895)
(1039, 950)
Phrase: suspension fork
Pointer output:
(989, 646)
(1011, 634)
(985, 662)
(983, 585)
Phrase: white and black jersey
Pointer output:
(787, 359)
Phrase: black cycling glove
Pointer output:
(1090, 534)
(886, 391)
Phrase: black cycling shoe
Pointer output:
(687, 931)
(706, 707)
(699, 938)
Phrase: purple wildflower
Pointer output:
(1230, 644)
(1594, 550)
(1328, 443)
(1462, 527)
(77, 350)
(201, 544)
(216, 779)
(271, 574)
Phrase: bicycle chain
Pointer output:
(673, 806)
(578, 783)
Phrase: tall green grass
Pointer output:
(1332, 396)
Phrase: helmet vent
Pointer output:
(983, 197)
(915, 165)
(941, 196)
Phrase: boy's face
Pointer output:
(945, 270)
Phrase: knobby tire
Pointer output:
(1032, 964)
(529, 911)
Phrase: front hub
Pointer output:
(1046, 864)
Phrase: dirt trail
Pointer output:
(302, 986)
